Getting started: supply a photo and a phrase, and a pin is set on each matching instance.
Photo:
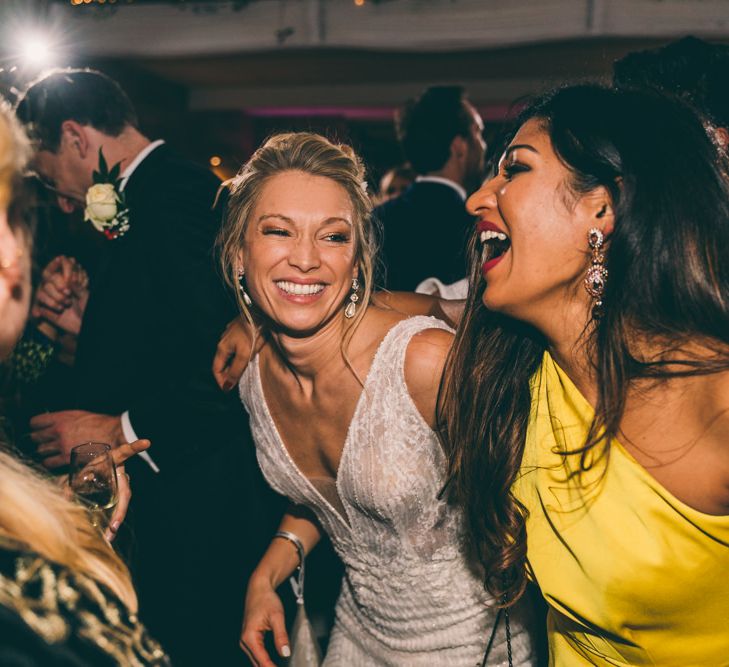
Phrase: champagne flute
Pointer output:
(92, 476)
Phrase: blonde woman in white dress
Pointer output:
(342, 397)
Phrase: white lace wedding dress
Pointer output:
(409, 597)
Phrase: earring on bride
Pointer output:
(351, 308)
(242, 287)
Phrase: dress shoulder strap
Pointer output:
(248, 386)
(390, 357)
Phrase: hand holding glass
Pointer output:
(93, 478)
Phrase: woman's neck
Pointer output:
(307, 356)
(567, 333)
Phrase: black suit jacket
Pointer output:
(425, 233)
(156, 311)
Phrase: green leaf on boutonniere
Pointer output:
(103, 167)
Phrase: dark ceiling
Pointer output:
(579, 58)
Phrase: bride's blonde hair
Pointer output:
(34, 513)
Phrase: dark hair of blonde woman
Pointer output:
(317, 156)
(668, 285)
(34, 513)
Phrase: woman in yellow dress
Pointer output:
(586, 407)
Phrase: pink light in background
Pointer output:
(489, 113)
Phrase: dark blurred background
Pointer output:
(215, 78)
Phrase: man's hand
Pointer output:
(233, 353)
(56, 433)
(54, 291)
(68, 320)
(62, 295)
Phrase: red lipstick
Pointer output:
(487, 266)
(486, 226)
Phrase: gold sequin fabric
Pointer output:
(31, 358)
(68, 610)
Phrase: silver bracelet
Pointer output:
(297, 582)
(286, 535)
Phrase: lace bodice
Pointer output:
(409, 592)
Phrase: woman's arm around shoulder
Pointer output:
(424, 362)
(236, 347)
(449, 311)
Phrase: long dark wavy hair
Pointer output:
(668, 263)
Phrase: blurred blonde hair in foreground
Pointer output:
(14, 154)
(34, 513)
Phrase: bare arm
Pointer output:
(281, 557)
(263, 608)
(424, 362)
(234, 351)
(411, 303)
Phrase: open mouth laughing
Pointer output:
(494, 244)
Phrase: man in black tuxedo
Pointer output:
(201, 514)
(426, 227)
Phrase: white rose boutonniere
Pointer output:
(101, 205)
(105, 208)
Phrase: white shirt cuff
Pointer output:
(457, 290)
(131, 436)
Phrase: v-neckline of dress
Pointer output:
(345, 520)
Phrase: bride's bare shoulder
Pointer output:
(374, 326)
(425, 359)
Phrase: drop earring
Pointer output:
(597, 274)
(242, 287)
(351, 308)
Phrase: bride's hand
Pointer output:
(233, 353)
(263, 612)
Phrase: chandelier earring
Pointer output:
(597, 274)
(351, 308)
(242, 287)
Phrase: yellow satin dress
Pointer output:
(632, 575)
